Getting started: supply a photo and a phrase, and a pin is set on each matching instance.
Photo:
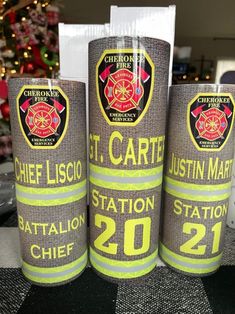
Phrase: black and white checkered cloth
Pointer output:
(164, 292)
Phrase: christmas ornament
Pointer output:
(8, 53)
(51, 41)
(12, 16)
(5, 110)
(52, 15)
(8, 65)
(3, 89)
(25, 34)
(28, 67)
(38, 58)
(49, 58)
(38, 17)
(2, 42)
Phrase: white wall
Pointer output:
(198, 22)
(195, 18)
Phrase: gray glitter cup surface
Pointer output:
(197, 181)
(128, 84)
(49, 150)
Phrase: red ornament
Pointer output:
(52, 15)
(28, 67)
(12, 17)
(5, 111)
(37, 58)
(3, 89)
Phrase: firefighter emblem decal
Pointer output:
(43, 115)
(210, 120)
(124, 81)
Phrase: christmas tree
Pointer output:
(28, 47)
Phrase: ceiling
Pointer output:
(194, 18)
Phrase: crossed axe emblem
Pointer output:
(56, 104)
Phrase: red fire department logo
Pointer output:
(212, 124)
(123, 90)
(210, 120)
(42, 120)
(43, 115)
(124, 85)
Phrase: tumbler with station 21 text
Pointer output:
(49, 151)
(197, 181)
(128, 84)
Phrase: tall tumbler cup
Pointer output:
(49, 137)
(128, 85)
(197, 180)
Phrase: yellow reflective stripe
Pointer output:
(189, 269)
(199, 198)
(55, 274)
(126, 186)
(50, 196)
(120, 179)
(198, 187)
(197, 192)
(188, 259)
(187, 264)
(47, 190)
(123, 269)
(114, 262)
(120, 275)
(56, 202)
(126, 173)
(57, 269)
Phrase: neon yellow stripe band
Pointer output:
(126, 186)
(187, 264)
(198, 187)
(126, 173)
(123, 269)
(198, 198)
(56, 190)
(50, 196)
(188, 259)
(56, 202)
(126, 179)
(196, 192)
(49, 275)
